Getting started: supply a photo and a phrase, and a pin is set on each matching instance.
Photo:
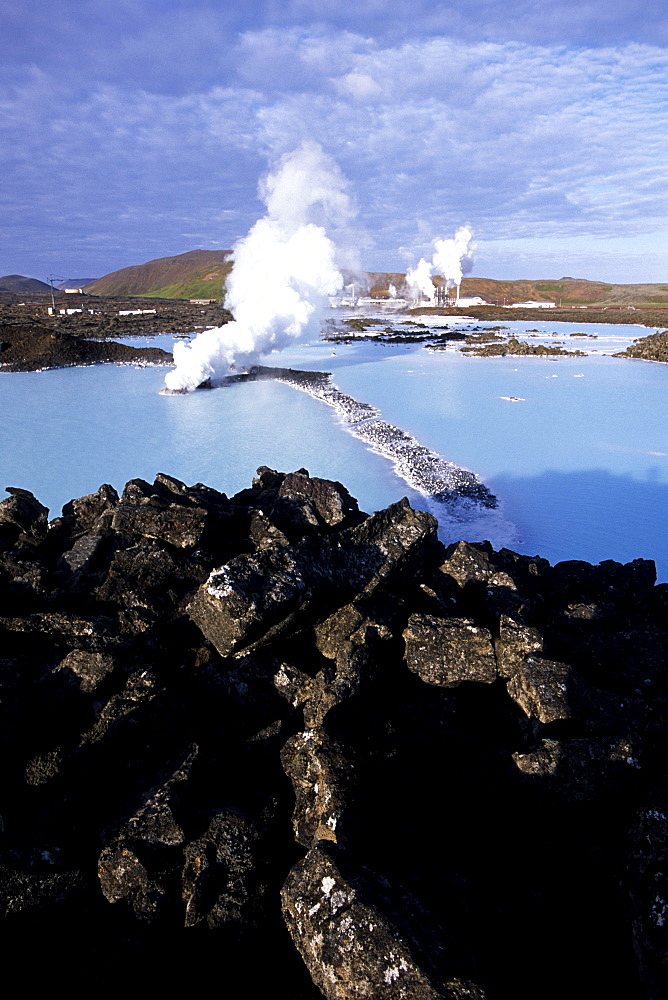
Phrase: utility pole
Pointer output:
(51, 279)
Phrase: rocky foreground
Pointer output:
(651, 348)
(274, 746)
(33, 347)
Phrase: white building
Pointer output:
(532, 305)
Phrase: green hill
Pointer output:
(201, 274)
(198, 274)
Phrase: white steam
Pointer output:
(419, 281)
(452, 260)
(284, 270)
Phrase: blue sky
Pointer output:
(141, 128)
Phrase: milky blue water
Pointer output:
(576, 449)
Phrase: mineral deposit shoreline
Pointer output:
(422, 469)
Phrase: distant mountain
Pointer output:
(75, 283)
(567, 292)
(561, 291)
(198, 274)
(201, 274)
(16, 284)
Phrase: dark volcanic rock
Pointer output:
(351, 948)
(648, 885)
(515, 346)
(32, 347)
(259, 596)
(271, 725)
(21, 515)
(448, 651)
(651, 348)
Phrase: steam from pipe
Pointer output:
(452, 260)
(284, 271)
(419, 281)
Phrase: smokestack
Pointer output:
(452, 259)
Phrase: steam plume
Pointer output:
(452, 260)
(284, 269)
(419, 281)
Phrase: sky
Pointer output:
(142, 128)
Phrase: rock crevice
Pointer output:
(273, 734)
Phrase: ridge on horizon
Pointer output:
(202, 274)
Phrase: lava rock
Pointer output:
(259, 596)
(648, 886)
(196, 690)
(351, 948)
(447, 651)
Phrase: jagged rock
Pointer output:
(270, 479)
(628, 584)
(260, 595)
(123, 877)
(36, 887)
(264, 533)
(467, 563)
(337, 629)
(331, 501)
(23, 575)
(293, 684)
(628, 661)
(546, 690)
(81, 556)
(178, 525)
(140, 688)
(350, 947)
(222, 882)
(447, 651)
(295, 518)
(529, 573)
(321, 773)
(505, 602)
(92, 632)
(147, 575)
(82, 514)
(88, 669)
(124, 867)
(355, 666)
(514, 643)
(107, 683)
(581, 770)
(44, 766)
(648, 888)
(21, 514)
(154, 821)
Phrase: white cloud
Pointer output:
(359, 86)
(526, 142)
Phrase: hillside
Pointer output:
(201, 274)
(562, 291)
(74, 283)
(16, 284)
(567, 292)
(198, 274)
